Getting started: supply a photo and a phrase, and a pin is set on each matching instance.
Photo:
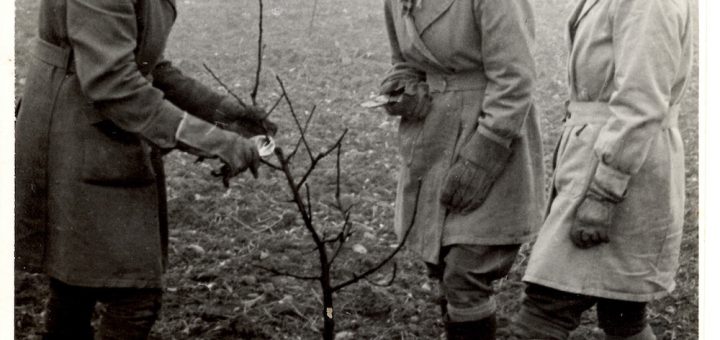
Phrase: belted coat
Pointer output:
(629, 66)
(477, 59)
(90, 193)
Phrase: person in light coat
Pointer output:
(471, 187)
(100, 107)
(612, 235)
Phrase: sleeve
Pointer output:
(647, 52)
(186, 92)
(103, 34)
(400, 67)
(507, 33)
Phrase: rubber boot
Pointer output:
(472, 330)
(646, 334)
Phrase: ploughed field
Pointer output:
(218, 237)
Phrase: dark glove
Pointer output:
(468, 183)
(207, 140)
(246, 121)
(592, 220)
(411, 96)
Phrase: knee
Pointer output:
(546, 313)
(130, 314)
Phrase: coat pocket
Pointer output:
(115, 157)
(576, 160)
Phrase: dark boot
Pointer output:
(472, 330)
(646, 334)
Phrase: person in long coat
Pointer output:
(100, 107)
(613, 232)
(471, 188)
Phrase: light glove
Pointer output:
(204, 139)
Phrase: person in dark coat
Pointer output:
(100, 107)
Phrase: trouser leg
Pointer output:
(128, 313)
(624, 320)
(468, 274)
(549, 314)
(68, 312)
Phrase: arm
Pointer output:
(103, 34)
(648, 51)
(507, 34)
(186, 92)
(201, 101)
(401, 70)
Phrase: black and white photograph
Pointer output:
(344, 169)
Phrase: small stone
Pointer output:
(426, 287)
(197, 249)
(345, 335)
(267, 287)
(249, 280)
(360, 249)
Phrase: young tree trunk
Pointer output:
(328, 311)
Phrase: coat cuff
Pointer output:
(486, 153)
(610, 183)
(162, 128)
(506, 142)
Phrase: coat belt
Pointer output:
(52, 54)
(456, 82)
(581, 113)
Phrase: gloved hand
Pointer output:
(207, 140)
(592, 220)
(246, 121)
(468, 183)
(412, 96)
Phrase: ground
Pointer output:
(335, 60)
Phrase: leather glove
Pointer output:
(207, 140)
(412, 96)
(593, 218)
(468, 183)
(246, 121)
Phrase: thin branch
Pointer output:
(341, 237)
(337, 178)
(271, 165)
(295, 117)
(253, 94)
(283, 273)
(312, 19)
(296, 196)
(387, 259)
(304, 131)
(275, 105)
(386, 284)
(309, 201)
(320, 156)
(227, 88)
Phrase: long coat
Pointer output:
(477, 59)
(90, 192)
(629, 66)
